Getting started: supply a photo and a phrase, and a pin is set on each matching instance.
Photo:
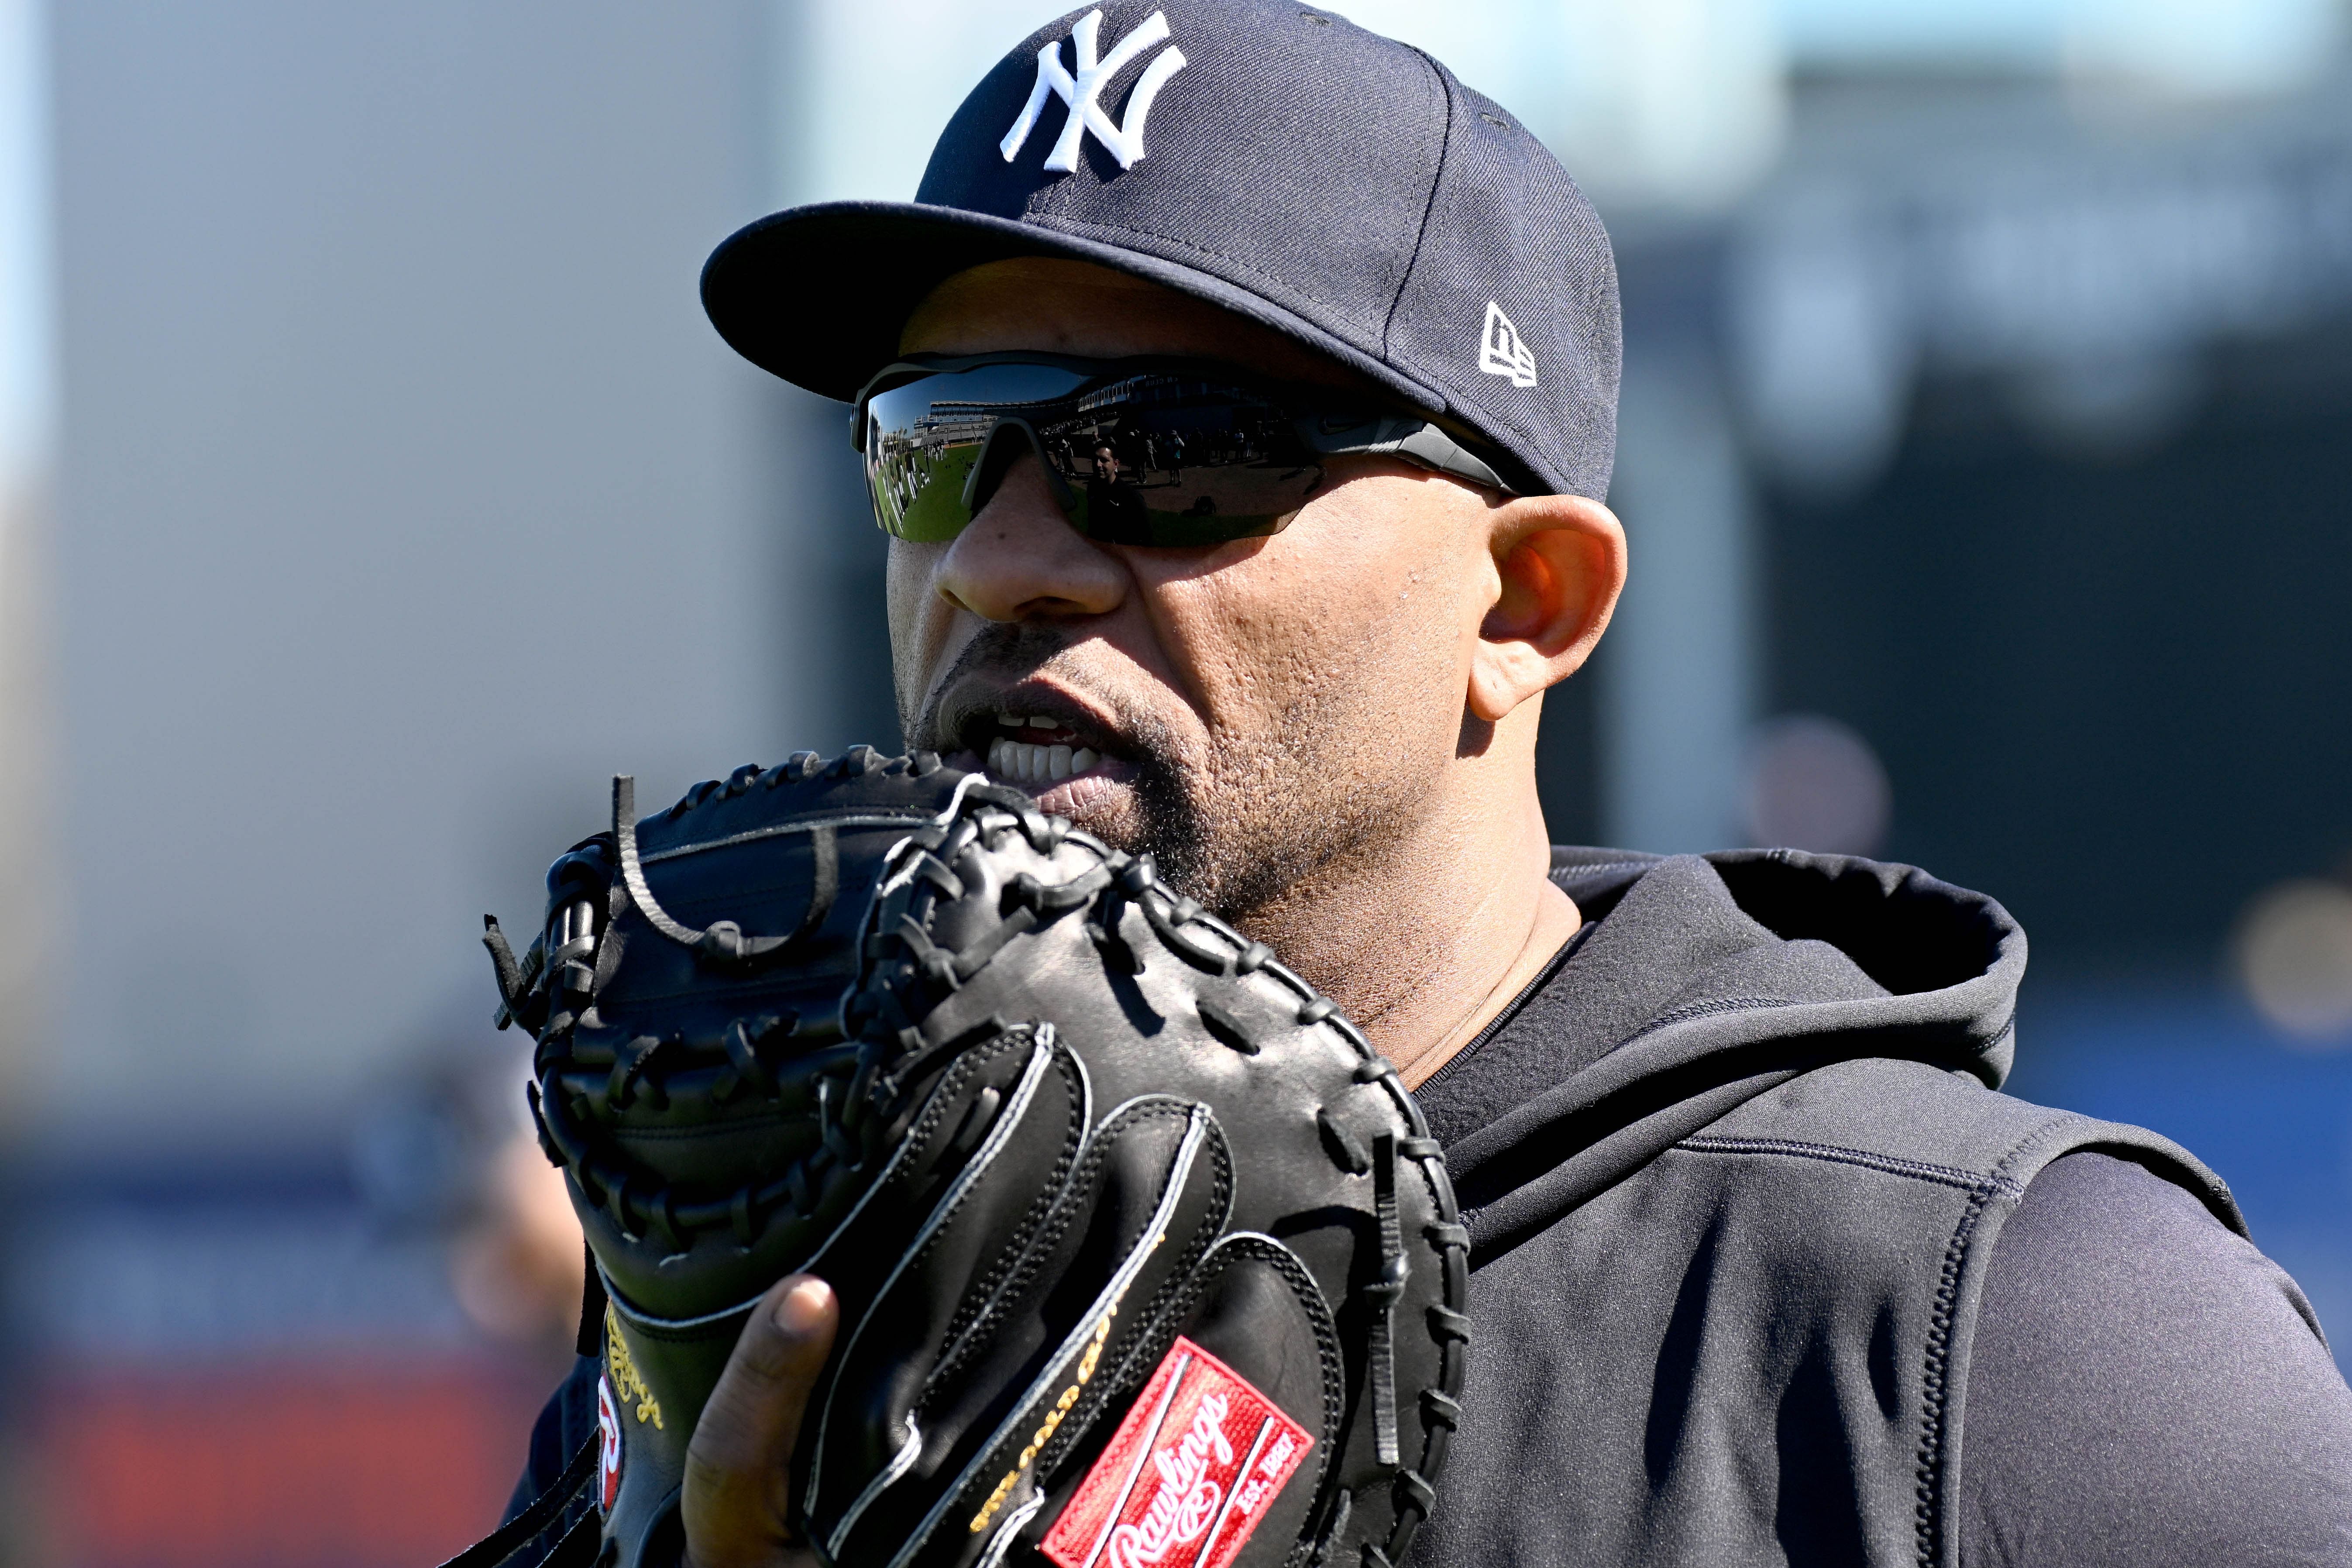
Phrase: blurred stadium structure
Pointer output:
(373, 488)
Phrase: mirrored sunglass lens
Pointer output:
(1153, 459)
(1165, 460)
(922, 439)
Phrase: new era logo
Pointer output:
(1501, 352)
(1082, 91)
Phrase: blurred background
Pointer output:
(371, 489)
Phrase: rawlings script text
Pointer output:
(1187, 1498)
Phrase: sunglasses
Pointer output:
(1137, 451)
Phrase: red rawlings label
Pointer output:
(608, 1449)
(1187, 1476)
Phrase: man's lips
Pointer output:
(1035, 735)
(1040, 735)
(1071, 794)
(1037, 742)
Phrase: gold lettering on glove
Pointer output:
(1069, 1396)
(628, 1384)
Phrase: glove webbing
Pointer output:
(722, 940)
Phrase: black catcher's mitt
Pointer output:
(1145, 1258)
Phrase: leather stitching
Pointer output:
(978, 1302)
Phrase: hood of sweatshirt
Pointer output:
(1698, 983)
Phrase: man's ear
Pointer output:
(1561, 565)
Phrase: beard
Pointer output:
(1246, 825)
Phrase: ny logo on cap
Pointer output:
(1080, 91)
(1501, 351)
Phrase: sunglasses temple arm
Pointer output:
(1417, 441)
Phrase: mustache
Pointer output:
(962, 708)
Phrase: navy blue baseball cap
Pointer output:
(1337, 186)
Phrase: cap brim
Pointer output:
(818, 295)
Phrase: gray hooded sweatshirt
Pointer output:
(1736, 1170)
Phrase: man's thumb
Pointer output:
(738, 1464)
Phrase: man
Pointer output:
(1764, 1268)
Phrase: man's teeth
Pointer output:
(1038, 764)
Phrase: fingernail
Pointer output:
(804, 1307)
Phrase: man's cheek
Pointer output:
(922, 624)
(1232, 657)
(907, 589)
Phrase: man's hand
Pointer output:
(737, 1499)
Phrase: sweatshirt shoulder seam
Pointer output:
(1935, 1382)
(1986, 1182)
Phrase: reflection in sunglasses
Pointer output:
(1146, 459)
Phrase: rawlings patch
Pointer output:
(1187, 1476)
(608, 1449)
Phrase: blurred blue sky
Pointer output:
(2237, 35)
(2014, 32)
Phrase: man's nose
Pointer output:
(1019, 559)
